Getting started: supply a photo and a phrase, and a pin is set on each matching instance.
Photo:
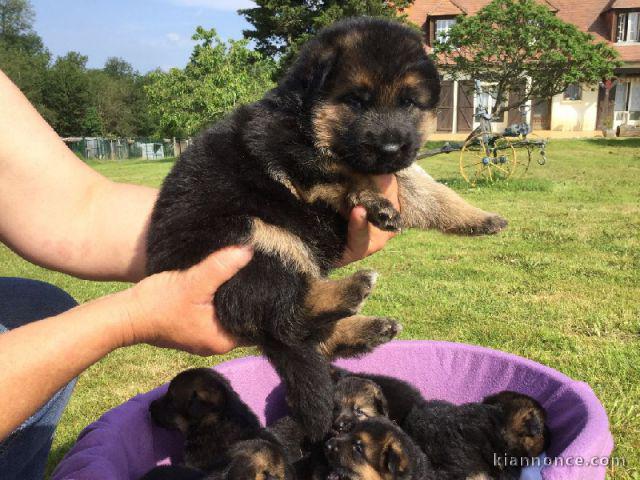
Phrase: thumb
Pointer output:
(219, 267)
(358, 232)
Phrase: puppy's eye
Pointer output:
(359, 412)
(407, 102)
(357, 100)
(358, 447)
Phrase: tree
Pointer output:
(118, 68)
(282, 26)
(114, 93)
(67, 87)
(23, 57)
(92, 123)
(218, 77)
(16, 18)
(520, 46)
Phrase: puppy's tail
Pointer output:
(307, 377)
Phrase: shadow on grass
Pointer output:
(133, 161)
(511, 185)
(615, 142)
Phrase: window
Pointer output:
(573, 92)
(442, 28)
(622, 89)
(628, 99)
(634, 102)
(487, 101)
(628, 27)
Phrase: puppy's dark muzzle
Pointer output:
(389, 143)
(331, 449)
(342, 425)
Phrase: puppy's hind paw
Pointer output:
(492, 224)
(360, 288)
(374, 331)
(382, 330)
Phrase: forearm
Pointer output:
(42, 357)
(58, 212)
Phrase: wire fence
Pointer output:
(90, 148)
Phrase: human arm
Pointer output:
(145, 313)
(58, 212)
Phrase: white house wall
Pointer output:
(575, 115)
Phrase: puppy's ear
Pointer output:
(395, 459)
(381, 403)
(203, 402)
(309, 73)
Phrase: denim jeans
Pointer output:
(23, 455)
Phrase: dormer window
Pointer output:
(442, 27)
(628, 30)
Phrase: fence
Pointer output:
(123, 148)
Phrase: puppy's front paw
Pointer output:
(384, 216)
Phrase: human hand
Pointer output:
(363, 238)
(175, 309)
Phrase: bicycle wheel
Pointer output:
(487, 158)
(534, 145)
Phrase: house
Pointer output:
(612, 103)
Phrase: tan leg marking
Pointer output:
(357, 334)
(327, 295)
(288, 247)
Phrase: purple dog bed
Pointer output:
(123, 444)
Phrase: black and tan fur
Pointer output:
(202, 405)
(261, 458)
(375, 395)
(280, 175)
(461, 441)
(376, 449)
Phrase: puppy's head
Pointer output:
(355, 399)
(525, 430)
(194, 396)
(374, 449)
(258, 459)
(366, 85)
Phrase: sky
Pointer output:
(146, 33)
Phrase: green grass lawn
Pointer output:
(560, 286)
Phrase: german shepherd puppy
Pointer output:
(281, 174)
(202, 405)
(460, 441)
(466, 440)
(376, 449)
(364, 395)
(261, 458)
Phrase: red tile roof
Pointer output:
(625, 4)
(420, 10)
(587, 15)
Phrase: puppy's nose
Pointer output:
(342, 425)
(331, 445)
